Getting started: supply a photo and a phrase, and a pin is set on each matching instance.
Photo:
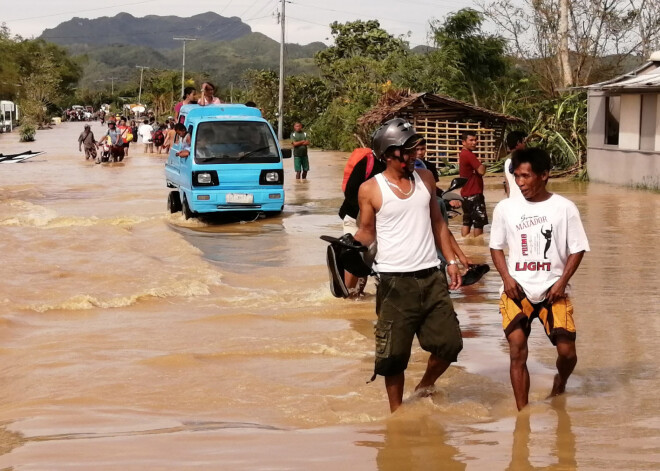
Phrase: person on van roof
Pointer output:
(207, 98)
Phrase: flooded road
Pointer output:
(133, 339)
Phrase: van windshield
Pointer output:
(218, 142)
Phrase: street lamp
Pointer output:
(183, 66)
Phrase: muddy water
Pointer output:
(133, 339)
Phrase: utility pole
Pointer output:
(141, 67)
(183, 65)
(113, 84)
(280, 106)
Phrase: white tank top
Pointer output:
(403, 230)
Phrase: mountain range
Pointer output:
(151, 31)
(223, 50)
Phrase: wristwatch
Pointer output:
(452, 262)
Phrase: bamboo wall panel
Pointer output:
(443, 138)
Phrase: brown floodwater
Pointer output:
(133, 339)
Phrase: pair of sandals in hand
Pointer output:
(345, 253)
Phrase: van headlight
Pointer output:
(204, 178)
(271, 177)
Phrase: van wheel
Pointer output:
(174, 202)
(187, 212)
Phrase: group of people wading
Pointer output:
(156, 137)
(391, 208)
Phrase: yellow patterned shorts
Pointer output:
(557, 318)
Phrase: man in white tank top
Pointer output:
(397, 209)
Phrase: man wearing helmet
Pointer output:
(398, 209)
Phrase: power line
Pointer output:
(307, 21)
(354, 13)
(225, 7)
(249, 8)
(268, 4)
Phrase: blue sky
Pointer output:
(307, 19)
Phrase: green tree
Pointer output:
(263, 89)
(160, 90)
(470, 60)
(31, 53)
(38, 88)
(9, 68)
(358, 39)
(305, 97)
(355, 70)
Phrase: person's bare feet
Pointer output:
(424, 391)
(558, 387)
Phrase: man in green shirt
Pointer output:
(300, 159)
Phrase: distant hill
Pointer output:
(224, 48)
(150, 31)
(222, 61)
(423, 49)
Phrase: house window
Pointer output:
(612, 116)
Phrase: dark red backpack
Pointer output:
(159, 138)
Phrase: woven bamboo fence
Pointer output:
(443, 139)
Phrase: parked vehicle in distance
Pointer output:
(8, 116)
(235, 163)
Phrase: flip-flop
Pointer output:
(474, 273)
(336, 272)
(346, 242)
(343, 254)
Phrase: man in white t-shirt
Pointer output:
(546, 242)
(515, 140)
(145, 131)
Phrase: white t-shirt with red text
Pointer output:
(540, 237)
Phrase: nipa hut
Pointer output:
(441, 120)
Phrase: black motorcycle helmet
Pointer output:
(394, 133)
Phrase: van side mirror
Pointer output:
(286, 153)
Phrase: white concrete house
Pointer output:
(623, 128)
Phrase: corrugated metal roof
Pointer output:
(651, 79)
(633, 80)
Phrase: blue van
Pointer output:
(235, 162)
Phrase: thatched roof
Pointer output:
(396, 102)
